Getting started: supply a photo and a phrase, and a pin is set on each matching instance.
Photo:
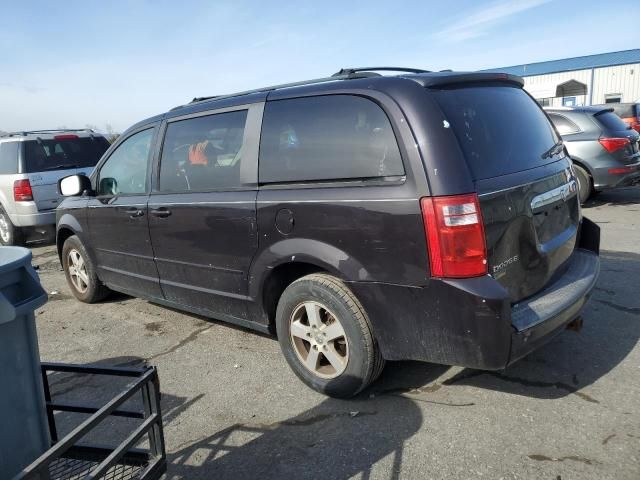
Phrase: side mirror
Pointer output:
(74, 185)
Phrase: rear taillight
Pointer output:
(455, 236)
(65, 137)
(22, 191)
(613, 144)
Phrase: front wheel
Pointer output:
(81, 272)
(326, 337)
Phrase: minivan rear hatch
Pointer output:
(524, 181)
(45, 161)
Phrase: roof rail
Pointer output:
(351, 71)
(343, 74)
(52, 130)
(332, 78)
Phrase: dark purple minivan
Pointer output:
(360, 217)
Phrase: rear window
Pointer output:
(563, 124)
(64, 153)
(330, 137)
(500, 129)
(611, 121)
(9, 157)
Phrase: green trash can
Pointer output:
(24, 433)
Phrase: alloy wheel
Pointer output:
(78, 271)
(319, 340)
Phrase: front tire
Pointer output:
(81, 272)
(9, 233)
(585, 189)
(326, 337)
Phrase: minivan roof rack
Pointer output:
(343, 74)
(351, 71)
(332, 78)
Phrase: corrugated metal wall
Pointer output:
(622, 79)
(583, 76)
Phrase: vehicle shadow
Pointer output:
(618, 196)
(337, 439)
(97, 390)
(575, 360)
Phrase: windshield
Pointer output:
(64, 153)
(500, 129)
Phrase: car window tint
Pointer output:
(500, 129)
(62, 153)
(563, 124)
(203, 153)
(125, 172)
(326, 138)
(9, 157)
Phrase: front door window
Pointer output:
(125, 172)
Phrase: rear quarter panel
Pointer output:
(372, 234)
(6, 193)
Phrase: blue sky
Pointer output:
(74, 63)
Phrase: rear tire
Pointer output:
(81, 272)
(9, 233)
(326, 337)
(585, 187)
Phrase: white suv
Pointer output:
(31, 163)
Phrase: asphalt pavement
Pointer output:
(233, 409)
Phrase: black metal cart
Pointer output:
(69, 459)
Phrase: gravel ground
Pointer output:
(233, 409)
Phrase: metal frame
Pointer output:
(53, 130)
(92, 461)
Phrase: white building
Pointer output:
(590, 80)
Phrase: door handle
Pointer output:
(134, 212)
(161, 212)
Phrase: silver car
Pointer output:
(31, 163)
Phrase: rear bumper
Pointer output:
(541, 317)
(33, 219)
(628, 175)
(471, 322)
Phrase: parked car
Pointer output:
(605, 150)
(31, 163)
(628, 112)
(361, 217)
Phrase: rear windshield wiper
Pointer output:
(557, 148)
